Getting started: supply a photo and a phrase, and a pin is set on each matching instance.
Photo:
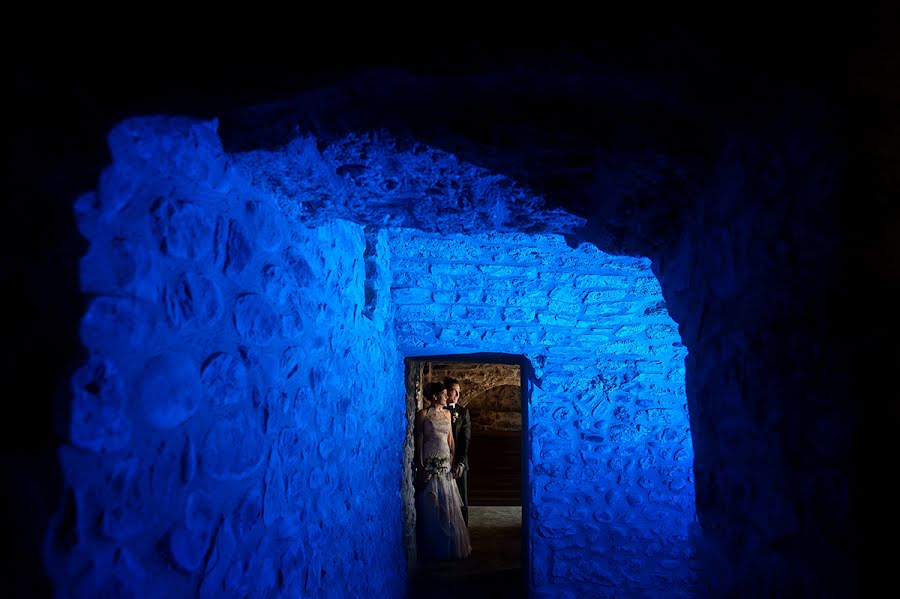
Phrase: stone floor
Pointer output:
(493, 570)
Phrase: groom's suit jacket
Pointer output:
(462, 433)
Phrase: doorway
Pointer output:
(494, 391)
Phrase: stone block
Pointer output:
(605, 295)
(433, 313)
(602, 282)
(115, 324)
(599, 311)
(451, 297)
(265, 223)
(233, 247)
(224, 379)
(182, 229)
(518, 315)
(411, 295)
(453, 268)
(555, 320)
(528, 299)
(506, 271)
(563, 309)
(99, 421)
(169, 389)
(473, 313)
(566, 294)
(255, 320)
(279, 285)
(470, 296)
(232, 448)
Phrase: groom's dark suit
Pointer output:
(462, 433)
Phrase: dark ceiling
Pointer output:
(70, 86)
(66, 88)
(81, 81)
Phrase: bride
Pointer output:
(443, 532)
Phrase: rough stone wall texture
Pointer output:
(763, 220)
(240, 378)
(413, 384)
(610, 473)
(498, 409)
(475, 378)
(380, 179)
(769, 371)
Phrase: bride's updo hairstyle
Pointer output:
(432, 390)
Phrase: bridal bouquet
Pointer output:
(435, 464)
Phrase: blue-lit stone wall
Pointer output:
(610, 476)
(235, 428)
(770, 385)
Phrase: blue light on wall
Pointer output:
(237, 428)
(611, 458)
(224, 426)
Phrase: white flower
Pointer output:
(435, 464)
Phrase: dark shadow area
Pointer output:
(498, 479)
(493, 570)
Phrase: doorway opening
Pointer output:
(494, 389)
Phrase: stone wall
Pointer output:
(610, 471)
(755, 282)
(240, 378)
(498, 409)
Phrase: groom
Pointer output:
(462, 432)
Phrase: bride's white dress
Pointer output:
(444, 534)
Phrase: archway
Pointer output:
(497, 501)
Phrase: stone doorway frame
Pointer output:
(411, 366)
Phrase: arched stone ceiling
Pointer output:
(533, 150)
